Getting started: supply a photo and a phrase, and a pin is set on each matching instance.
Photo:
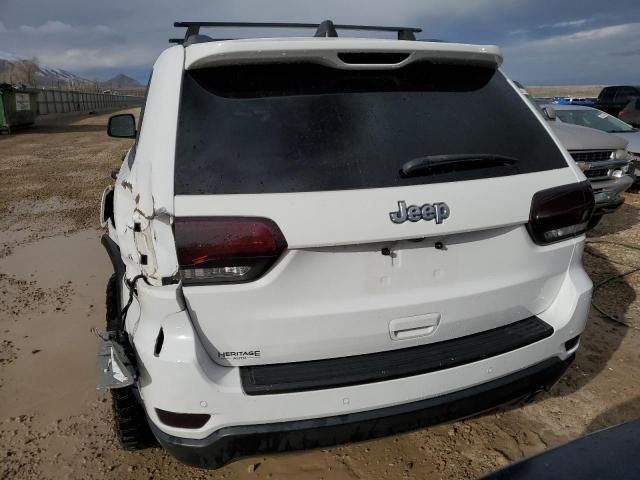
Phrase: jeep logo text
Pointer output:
(436, 211)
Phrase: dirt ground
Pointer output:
(565, 91)
(54, 425)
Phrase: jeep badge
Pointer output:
(438, 211)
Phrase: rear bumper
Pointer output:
(233, 442)
(183, 378)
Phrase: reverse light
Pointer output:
(561, 212)
(226, 249)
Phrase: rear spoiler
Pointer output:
(329, 51)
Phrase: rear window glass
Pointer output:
(307, 127)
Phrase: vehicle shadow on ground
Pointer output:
(45, 129)
(69, 122)
(625, 218)
(621, 413)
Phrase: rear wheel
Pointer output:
(129, 418)
(594, 221)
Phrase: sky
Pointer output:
(544, 42)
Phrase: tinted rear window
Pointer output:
(306, 127)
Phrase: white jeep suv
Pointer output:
(326, 239)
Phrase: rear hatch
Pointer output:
(368, 257)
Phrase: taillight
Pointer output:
(561, 212)
(226, 249)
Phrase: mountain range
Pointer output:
(18, 70)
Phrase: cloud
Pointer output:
(92, 58)
(103, 29)
(585, 36)
(539, 43)
(55, 27)
(569, 23)
(52, 26)
(557, 25)
(3, 29)
(592, 56)
(629, 53)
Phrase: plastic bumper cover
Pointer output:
(229, 443)
(183, 378)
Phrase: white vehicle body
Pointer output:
(332, 294)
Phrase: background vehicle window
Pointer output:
(607, 94)
(623, 94)
(308, 127)
(594, 119)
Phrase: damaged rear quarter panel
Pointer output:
(149, 182)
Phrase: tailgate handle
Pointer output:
(413, 327)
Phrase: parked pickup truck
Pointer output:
(613, 99)
(631, 112)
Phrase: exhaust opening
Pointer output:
(159, 342)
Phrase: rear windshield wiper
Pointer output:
(432, 164)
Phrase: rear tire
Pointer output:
(594, 221)
(129, 419)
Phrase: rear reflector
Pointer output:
(226, 249)
(561, 212)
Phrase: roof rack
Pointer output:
(323, 29)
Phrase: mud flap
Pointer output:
(115, 368)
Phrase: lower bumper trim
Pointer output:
(230, 443)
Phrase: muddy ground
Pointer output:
(53, 424)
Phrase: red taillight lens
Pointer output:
(226, 249)
(561, 212)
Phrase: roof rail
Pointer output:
(324, 29)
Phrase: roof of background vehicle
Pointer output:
(325, 51)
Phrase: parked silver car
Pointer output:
(604, 160)
(594, 118)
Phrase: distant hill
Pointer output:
(122, 82)
(19, 70)
(15, 69)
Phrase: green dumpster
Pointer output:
(19, 106)
(4, 127)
